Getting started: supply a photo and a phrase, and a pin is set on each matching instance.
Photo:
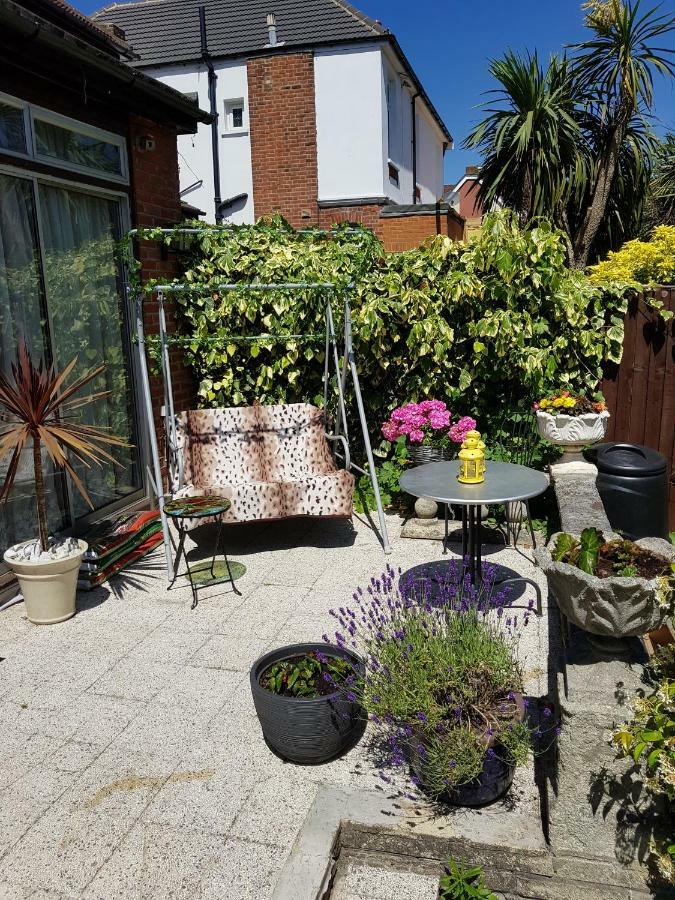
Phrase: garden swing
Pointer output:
(270, 462)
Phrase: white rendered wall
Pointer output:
(194, 150)
(429, 158)
(348, 97)
(398, 149)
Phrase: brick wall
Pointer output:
(156, 202)
(407, 231)
(282, 123)
(366, 214)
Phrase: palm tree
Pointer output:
(572, 142)
(43, 411)
(661, 197)
(616, 66)
(530, 140)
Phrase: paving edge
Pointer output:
(366, 820)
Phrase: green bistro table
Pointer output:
(188, 509)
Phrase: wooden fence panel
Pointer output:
(640, 392)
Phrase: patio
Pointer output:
(134, 764)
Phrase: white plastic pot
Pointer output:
(48, 587)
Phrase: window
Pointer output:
(31, 131)
(12, 128)
(393, 174)
(235, 119)
(61, 290)
(82, 150)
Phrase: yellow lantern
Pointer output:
(472, 459)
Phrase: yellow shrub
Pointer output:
(640, 263)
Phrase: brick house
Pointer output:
(88, 149)
(320, 114)
(463, 198)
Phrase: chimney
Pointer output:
(472, 170)
(272, 29)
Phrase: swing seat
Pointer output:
(270, 462)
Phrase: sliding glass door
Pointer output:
(60, 289)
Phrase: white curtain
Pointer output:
(22, 314)
(84, 296)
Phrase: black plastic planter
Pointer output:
(492, 783)
(310, 730)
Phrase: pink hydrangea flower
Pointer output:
(390, 432)
(460, 429)
(439, 419)
(416, 420)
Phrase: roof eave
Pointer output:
(391, 39)
(39, 30)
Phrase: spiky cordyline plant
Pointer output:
(41, 407)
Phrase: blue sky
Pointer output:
(450, 43)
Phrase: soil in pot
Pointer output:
(313, 727)
(628, 559)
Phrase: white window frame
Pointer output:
(229, 106)
(32, 112)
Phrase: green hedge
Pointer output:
(482, 325)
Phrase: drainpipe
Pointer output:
(414, 146)
(213, 84)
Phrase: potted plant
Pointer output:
(610, 588)
(429, 436)
(428, 430)
(305, 701)
(442, 683)
(40, 406)
(572, 421)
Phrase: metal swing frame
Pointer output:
(344, 366)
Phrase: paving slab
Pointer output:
(133, 756)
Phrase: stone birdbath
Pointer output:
(611, 608)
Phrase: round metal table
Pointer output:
(504, 483)
(199, 507)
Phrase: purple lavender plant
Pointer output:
(441, 677)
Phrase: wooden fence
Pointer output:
(640, 391)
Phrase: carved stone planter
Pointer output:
(610, 607)
(572, 433)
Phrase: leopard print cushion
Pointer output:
(271, 462)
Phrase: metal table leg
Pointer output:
(227, 562)
(465, 534)
(530, 526)
(477, 546)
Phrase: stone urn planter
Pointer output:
(572, 433)
(612, 607)
(48, 581)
